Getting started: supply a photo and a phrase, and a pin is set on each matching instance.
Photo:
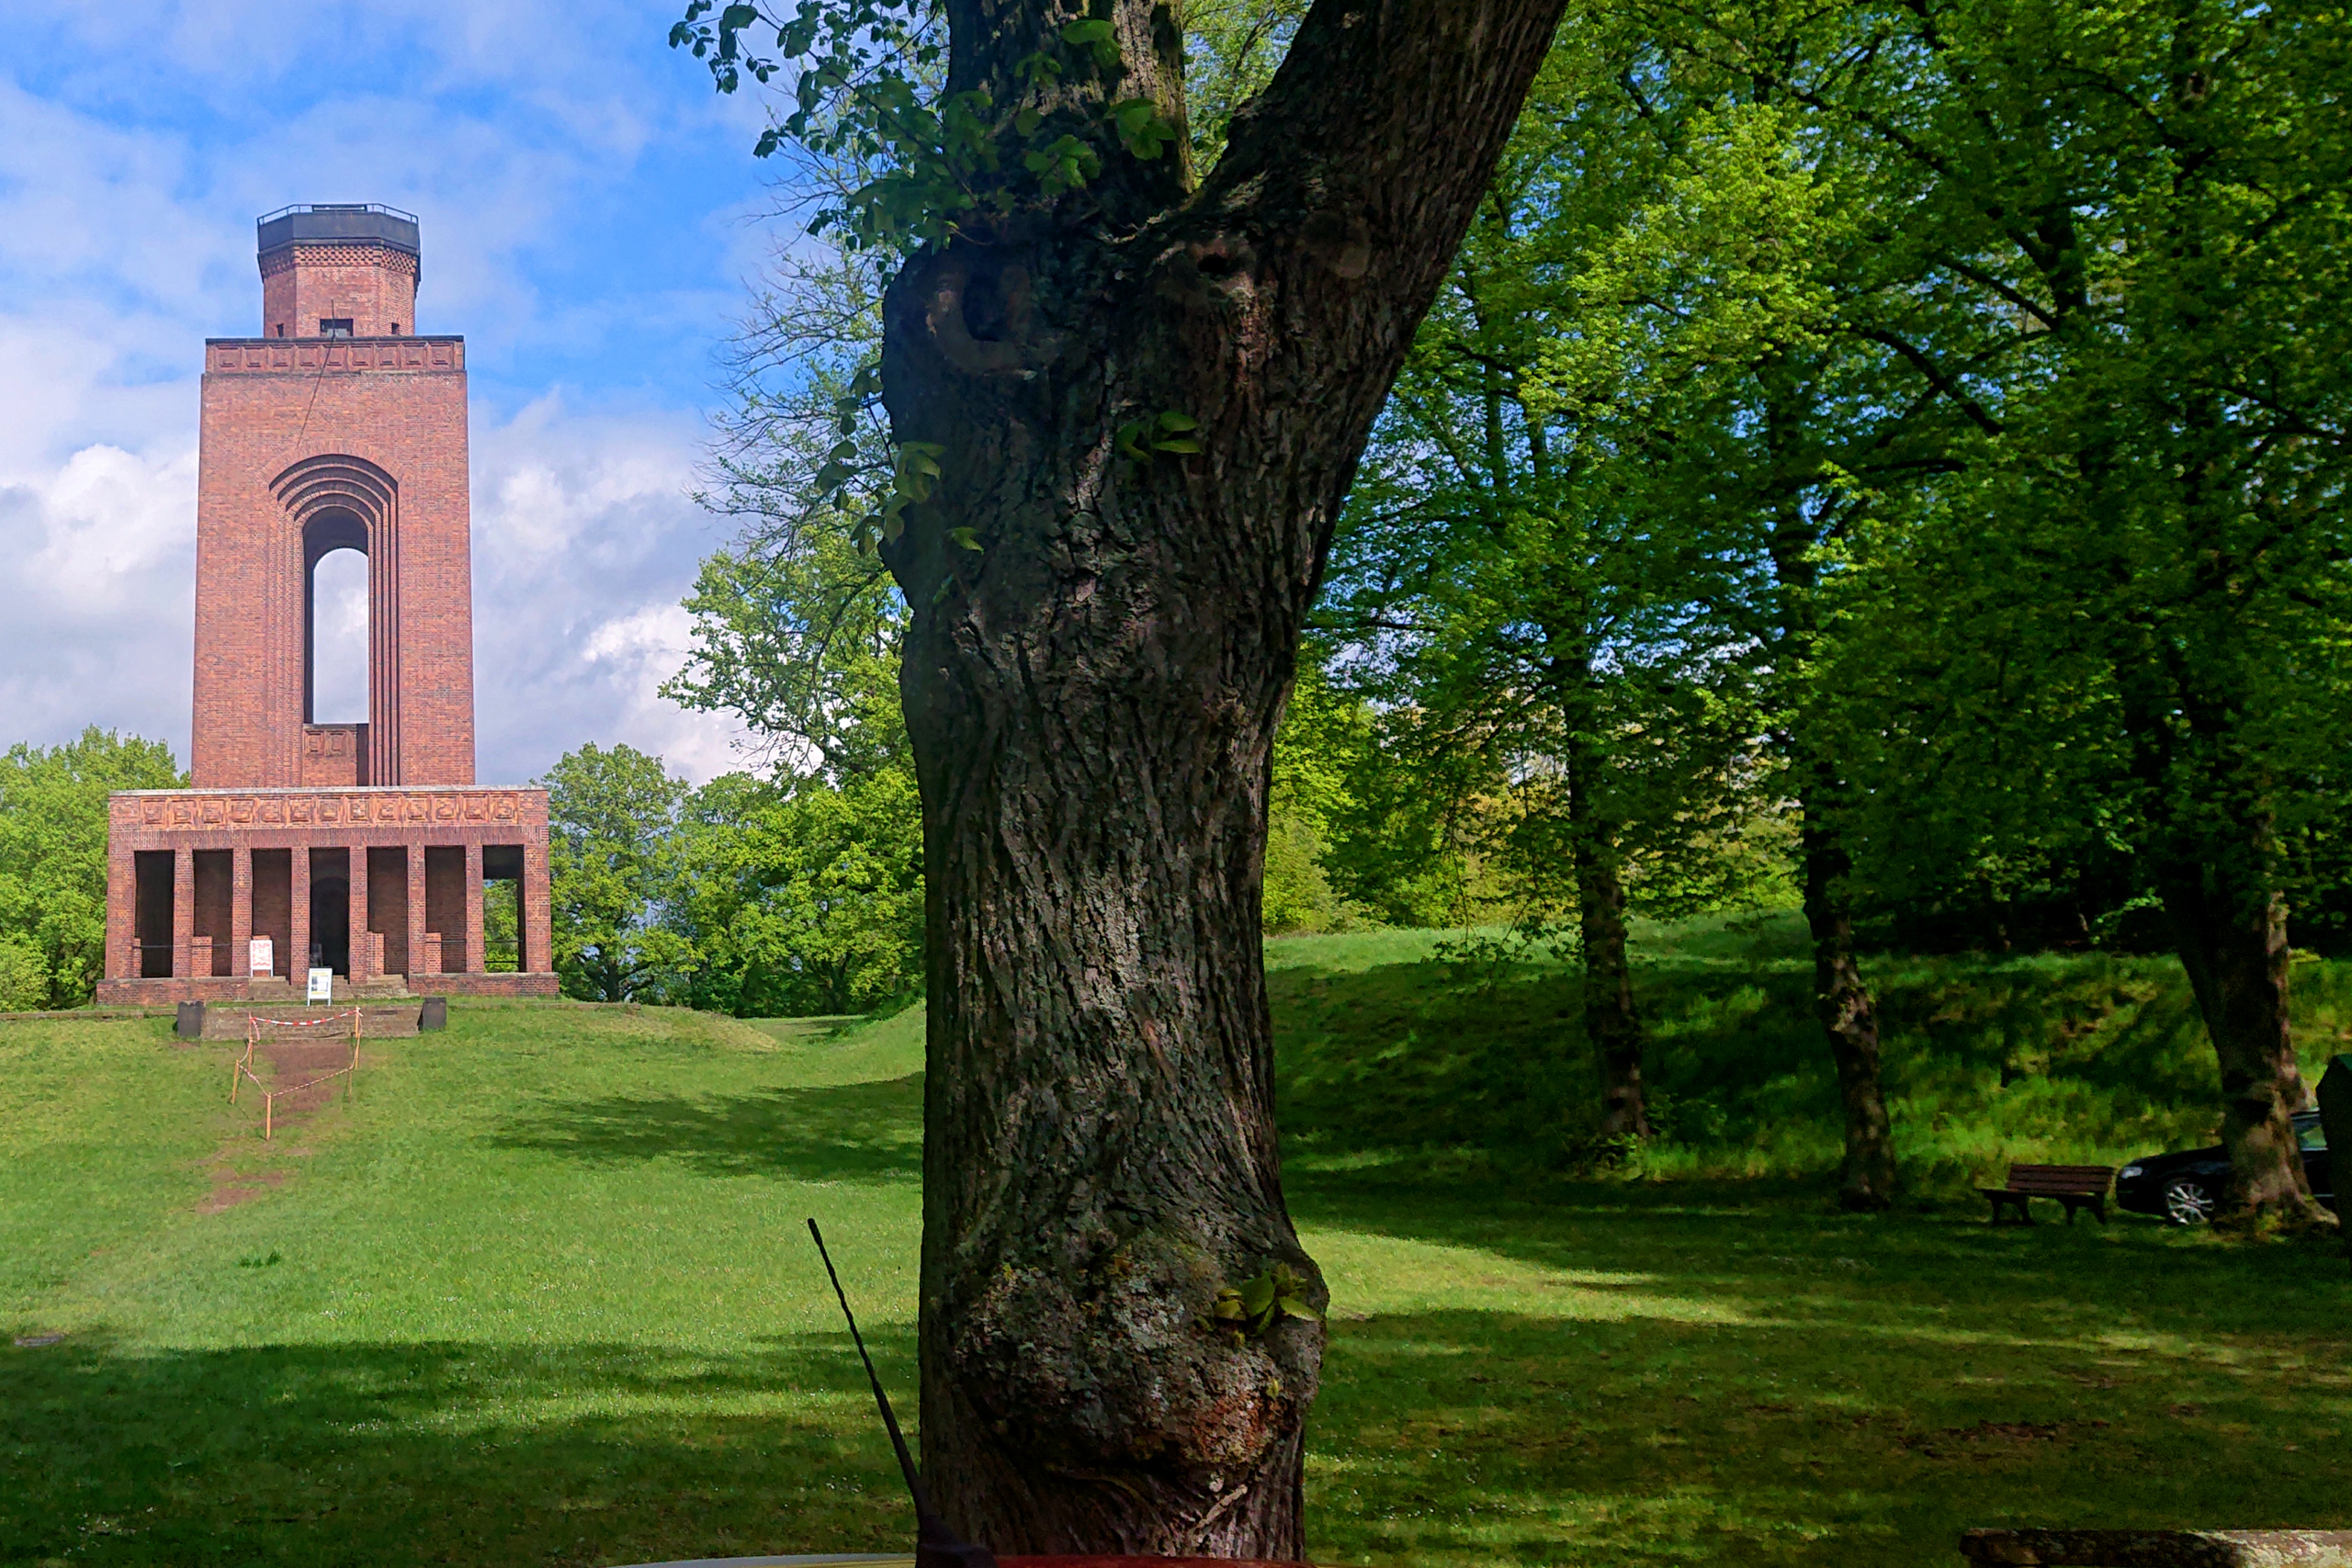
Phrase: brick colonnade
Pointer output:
(284, 850)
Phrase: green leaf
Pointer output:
(1171, 420)
(1184, 445)
(1294, 1307)
(966, 537)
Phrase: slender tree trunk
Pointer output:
(1611, 1024)
(1611, 1021)
(1091, 694)
(1841, 1001)
(1849, 1019)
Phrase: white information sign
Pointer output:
(261, 957)
(322, 985)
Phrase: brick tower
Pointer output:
(362, 847)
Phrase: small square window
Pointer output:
(334, 326)
(396, 329)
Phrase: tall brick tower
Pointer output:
(362, 847)
(364, 450)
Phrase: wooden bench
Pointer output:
(2158, 1549)
(2077, 1185)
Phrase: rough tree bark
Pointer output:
(1611, 1020)
(2232, 943)
(1840, 998)
(1611, 1024)
(1091, 696)
(2228, 914)
(1849, 1019)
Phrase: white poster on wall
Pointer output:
(261, 956)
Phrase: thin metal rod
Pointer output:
(889, 1419)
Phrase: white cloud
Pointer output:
(582, 194)
(584, 542)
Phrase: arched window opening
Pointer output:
(334, 683)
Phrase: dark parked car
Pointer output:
(2186, 1188)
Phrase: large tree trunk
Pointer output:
(2216, 872)
(1091, 695)
(1612, 1025)
(1611, 1021)
(2233, 941)
(1849, 1019)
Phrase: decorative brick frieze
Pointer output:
(270, 819)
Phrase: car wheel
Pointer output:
(2189, 1201)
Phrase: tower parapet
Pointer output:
(338, 269)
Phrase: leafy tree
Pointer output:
(1321, 751)
(1127, 400)
(1539, 590)
(797, 631)
(2127, 613)
(1756, 342)
(798, 637)
(54, 858)
(803, 898)
(802, 891)
(24, 978)
(612, 851)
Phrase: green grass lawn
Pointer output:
(539, 1293)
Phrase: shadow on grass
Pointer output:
(1868, 1387)
(1777, 1252)
(1805, 1435)
(861, 1132)
(449, 1452)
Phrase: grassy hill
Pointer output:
(1388, 1050)
(538, 1294)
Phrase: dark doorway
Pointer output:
(388, 871)
(151, 914)
(331, 910)
(215, 902)
(273, 909)
(444, 904)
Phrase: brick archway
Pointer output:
(337, 501)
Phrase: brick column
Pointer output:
(183, 911)
(241, 912)
(359, 943)
(122, 905)
(414, 854)
(476, 961)
(538, 947)
(297, 918)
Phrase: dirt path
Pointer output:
(245, 1166)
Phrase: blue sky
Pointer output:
(590, 214)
